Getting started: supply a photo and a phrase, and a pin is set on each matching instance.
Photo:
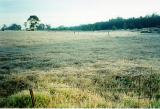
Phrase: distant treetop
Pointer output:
(33, 17)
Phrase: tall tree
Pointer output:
(33, 21)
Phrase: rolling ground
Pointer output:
(81, 69)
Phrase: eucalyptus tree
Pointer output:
(33, 21)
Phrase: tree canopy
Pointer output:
(33, 22)
(33, 17)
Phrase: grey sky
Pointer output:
(74, 12)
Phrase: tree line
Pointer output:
(112, 24)
(16, 27)
(121, 23)
(11, 27)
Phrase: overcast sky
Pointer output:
(74, 12)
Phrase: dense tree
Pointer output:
(33, 22)
(41, 26)
(120, 23)
(14, 27)
(62, 28)
(11, 27)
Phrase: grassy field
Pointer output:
(85, 69)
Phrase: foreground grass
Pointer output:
(55, 98)
(67, 70)
(74, 90)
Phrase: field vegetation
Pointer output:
(80, 69)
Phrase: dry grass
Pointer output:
(76, 70)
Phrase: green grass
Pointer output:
(55, 98)
(87, 63)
